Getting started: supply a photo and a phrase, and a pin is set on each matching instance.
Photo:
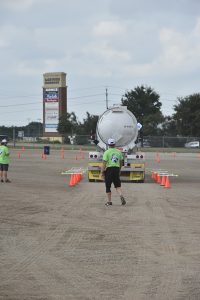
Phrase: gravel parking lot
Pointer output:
(61, 243)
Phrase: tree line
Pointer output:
(144, 102)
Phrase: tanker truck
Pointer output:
(120, 124)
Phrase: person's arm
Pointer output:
(120, 164)
(7, 153)
(103, 168)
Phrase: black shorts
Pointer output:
(3, 167)
(112, 176)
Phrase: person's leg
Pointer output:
(109, 196)
(6, 173)
(117, 184)
(108, 183)
(1, 172)
(119, 191)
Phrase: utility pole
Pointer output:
(106, 98)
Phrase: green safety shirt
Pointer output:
(4, 155)
(112, 156)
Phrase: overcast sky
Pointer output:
(118, 44)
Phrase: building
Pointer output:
(54, 103)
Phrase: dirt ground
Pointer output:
(61, 243)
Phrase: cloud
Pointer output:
(108, 29)
(105, 52)
(114, 42)
(180, 51)
(154, 8)
(18, 4)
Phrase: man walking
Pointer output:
(112, 163)
(4, 161)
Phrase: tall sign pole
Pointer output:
(54, 103)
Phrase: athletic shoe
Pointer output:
(2, 180)
(123, 200)
(7, 180)
(108, 203)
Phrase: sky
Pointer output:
(100, 44)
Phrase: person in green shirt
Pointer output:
(112, 163)
(4, 161)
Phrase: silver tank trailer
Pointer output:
(120, 124)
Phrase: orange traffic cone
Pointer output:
(163, 180)
(19, 155)
(155, 176)
(174, 154)
(158, 178)
(43, 156)
(22, 148)
(158, 158)
(167, 183)
(198, 155)
(77, 177)
(152, 175)
(72, 180)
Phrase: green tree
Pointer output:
(187, 115)
(33, 129)
(68, 124)
(169, 126)
(89, 124)
(144, 103)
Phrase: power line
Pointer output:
(20, 104)
(79, 97)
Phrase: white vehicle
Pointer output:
(194, 144)
(120, 124)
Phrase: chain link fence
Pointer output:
(85, 140)
(167, 141)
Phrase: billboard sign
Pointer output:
(51, 106)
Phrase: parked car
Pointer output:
(194, 144)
